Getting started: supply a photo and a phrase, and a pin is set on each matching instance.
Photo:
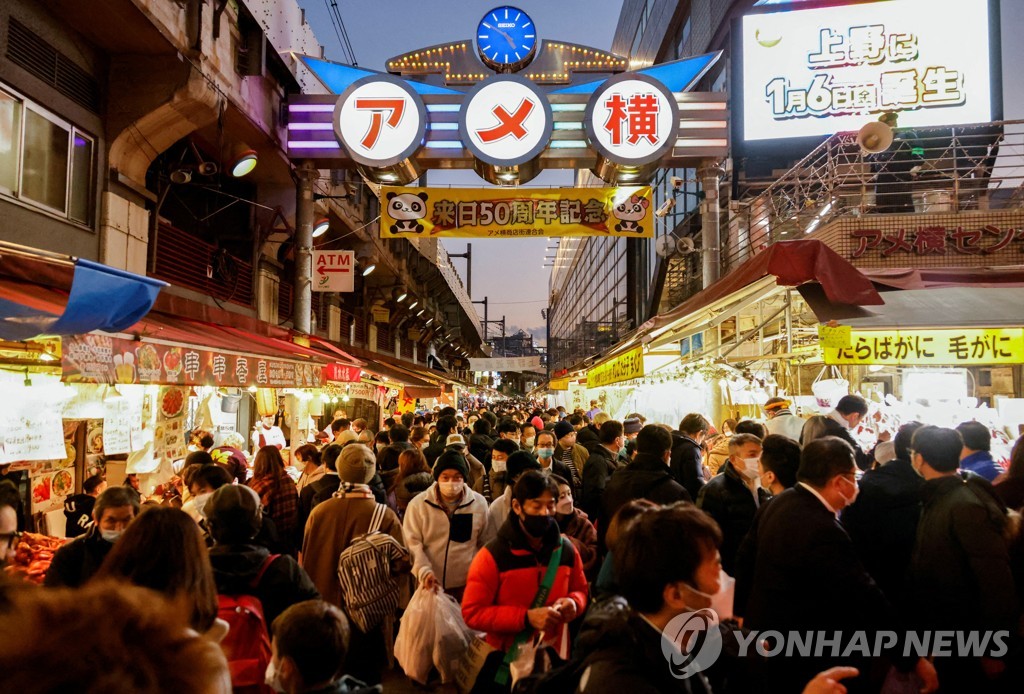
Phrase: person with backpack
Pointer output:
(333, 527)
(446, 525)
(311, 644)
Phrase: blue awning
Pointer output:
(101, 298)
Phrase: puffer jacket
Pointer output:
(506, 575)
(728, 500)
(408, 487)
(445, 545)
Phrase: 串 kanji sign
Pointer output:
(380, 120)
(333, 271)
(632, 119)
(967, 347)
(505, 121)
(509, 213)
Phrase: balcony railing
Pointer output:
(188, 261)
(975, 167)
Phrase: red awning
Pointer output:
(793, 263)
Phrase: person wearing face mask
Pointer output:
(203, 481)
(733, 496)
(530, 578)
(77, 561)
(848, 414)
(266, 433)
(457, 443)
(576, 526)
(309, 650)
(602, 462)
(446, 525)
(413, 478)
(498, 476)
(808, 576)
(545, 452)
(518, 463)
(528, 438)
(960, 576)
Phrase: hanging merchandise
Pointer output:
(266, 402)
(828, 391)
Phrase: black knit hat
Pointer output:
(519, 462)
(451, 460)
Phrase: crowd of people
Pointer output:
(572, 539)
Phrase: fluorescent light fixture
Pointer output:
(369, 269)
(321, 227)
(243, 160)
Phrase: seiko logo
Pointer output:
(507, 25)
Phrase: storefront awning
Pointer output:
(931, 298)
(100, 298)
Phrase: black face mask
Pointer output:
(537, 526)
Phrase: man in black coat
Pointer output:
(323, 488)
(849, 412)
(959, 577)
(387, 460)
(77, 562)
(446, 424)
(807, 575)
(687, 462)
(733, 496)
(647, 477)
(883, 522)
(601, 464)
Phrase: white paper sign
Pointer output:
(117, 426)
(30, 427)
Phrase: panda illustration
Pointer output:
(408, 209)
(628, 212)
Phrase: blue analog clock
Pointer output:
(507, 39)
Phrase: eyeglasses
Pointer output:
(9, 539)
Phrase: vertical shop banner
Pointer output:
(625, 367)
(968, 347)
(625, 212)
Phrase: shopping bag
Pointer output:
(472, 663)
(532, 657)
(414, 647)
(452, 637)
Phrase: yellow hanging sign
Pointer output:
(625, 367)
(559, 384)
(624, 212)
(969, 347)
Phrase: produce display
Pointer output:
(33, 555)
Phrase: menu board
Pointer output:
(30, 429)
(117, 426)
(103, 359)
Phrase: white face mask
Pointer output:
(200, 503)
(273, 678)
(529, 441)
(748, 468)
(110, 535)
(423, 446)
(450, 490)
(856, 490)
(498, 465)
(564, 506)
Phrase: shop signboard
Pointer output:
(505, 121)
(103, 359)
(380, 314)
(625, 367)
(559, 384)
(342, 373)
(334, 271)
(505, 364)
(625, 212)
(967, 347)
(631, 119)
(814, 72)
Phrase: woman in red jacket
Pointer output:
(506, 575)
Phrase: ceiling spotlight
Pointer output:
(320, 227)
(429, 321)
(420, 312)
(399, 294)
(369, 269)
(181, 176)
(414, 304)
(243, 160)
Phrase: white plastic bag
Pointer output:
(452, 638)
(414, 647)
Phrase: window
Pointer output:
(44, 160)
(684, 36)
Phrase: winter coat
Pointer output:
(623, 653)
(981, 464)
(883, 523)
(78, 512)
(579, 457)
(687, 463)
(496, 484)
(330, 530)
(78, 561)
(445, 545)
(480, 445)
(283, 584)
(578, 528)
(387, 461)
(833, 428)
(785, 423)
(596, 472)
(718, 453)
(729, 500)
(408, 487)
(505, 576)
(587, 436)
(959, 576)
(647, 477)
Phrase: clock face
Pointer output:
(506, 38)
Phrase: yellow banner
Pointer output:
(626, 212)
(559, 384)
(624, 367)
(930, 347)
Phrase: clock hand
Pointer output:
(503, 33)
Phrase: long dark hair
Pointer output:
(307, 453)
(268, 463)
(163, 550)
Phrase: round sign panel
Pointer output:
(632, 119)
(505, 121)
(380, 120)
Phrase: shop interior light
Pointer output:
(243, 160)
(253, 389)
(344, 398)
(321, 227)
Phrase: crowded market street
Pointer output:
(583, 346)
